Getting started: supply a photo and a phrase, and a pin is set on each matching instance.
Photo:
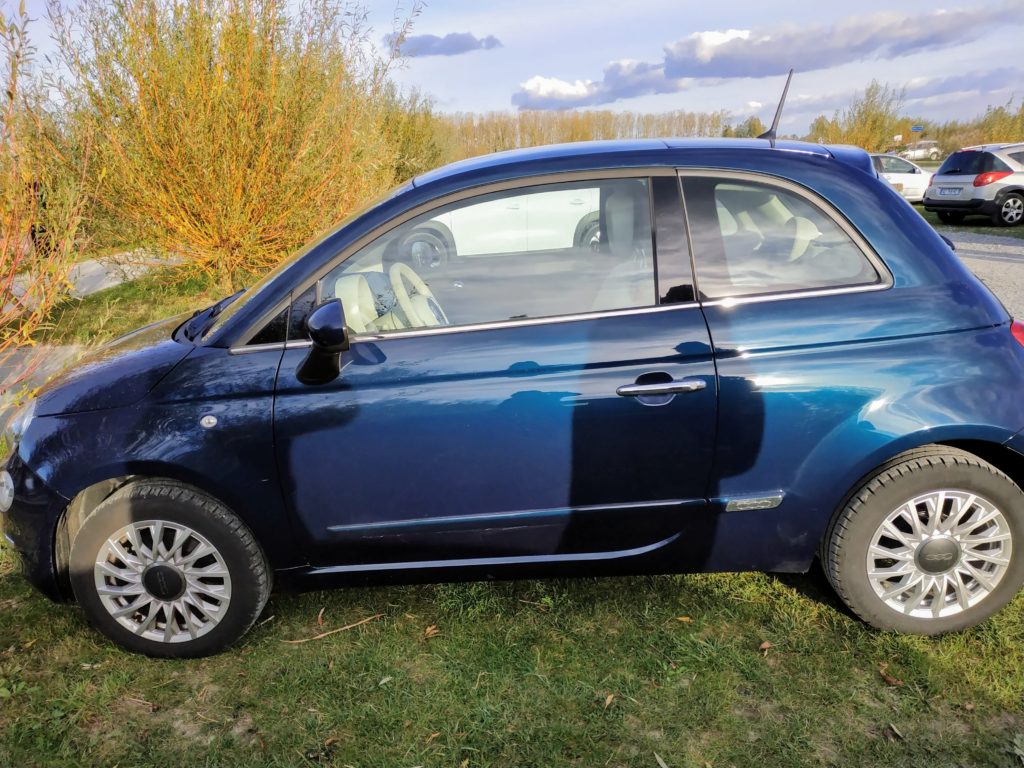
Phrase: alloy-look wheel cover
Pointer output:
(1013, 210)
(939, 554)
(163, 581)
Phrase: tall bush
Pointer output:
(234, 129)
(41, 200)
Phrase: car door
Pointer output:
(565, 411)
(793, 310)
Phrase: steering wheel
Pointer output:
(420, 307)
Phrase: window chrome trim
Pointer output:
(568, 177)
(809, 293)
(441, 330)
(885, 278)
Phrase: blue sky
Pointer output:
(657, 55)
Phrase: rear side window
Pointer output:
(754, 238)
(1018, 156)
(970, 162)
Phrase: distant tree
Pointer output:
(750, 128)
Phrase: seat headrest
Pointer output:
(358, 301)
(619, 212)
(802, 233)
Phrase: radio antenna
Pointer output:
(772, 132)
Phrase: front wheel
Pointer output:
(163, 569)
(932, 543)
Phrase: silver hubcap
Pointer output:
(1013, 210)
(939, 554)
(163, 581)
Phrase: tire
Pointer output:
(1010, 212)
(588, 233)
(222, 597)
(934, 604)
(933, 156)
(949, 217)
(426, 249)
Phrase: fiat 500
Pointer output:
(600, 358)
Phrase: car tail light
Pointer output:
(990, 177)
(1017, 329)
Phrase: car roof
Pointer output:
(991, 147)
(603, 153)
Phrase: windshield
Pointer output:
(260, 286)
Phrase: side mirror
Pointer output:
(329, 333)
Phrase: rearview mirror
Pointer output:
(329, 334)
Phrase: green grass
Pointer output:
(575, 673)
(976, 225)
(112, 312)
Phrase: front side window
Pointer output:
(529, 252)
(753, 238)
(895, 165)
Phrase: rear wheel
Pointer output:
(949, 217)
(932, 543)
(163, 569)
(1011, 212)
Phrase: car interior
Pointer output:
(385, 288)
(770, 241)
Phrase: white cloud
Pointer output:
(717, 56)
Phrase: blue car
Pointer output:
(600, 358)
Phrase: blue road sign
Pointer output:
(917, 128)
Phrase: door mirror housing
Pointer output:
(329, 334)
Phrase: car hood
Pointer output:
(117, 374)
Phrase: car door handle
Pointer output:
(661, 388)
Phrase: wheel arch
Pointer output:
(90, 496)
(992, 450)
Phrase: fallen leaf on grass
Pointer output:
(684, 619)
(661, 763)
(320, 617)
(433, 736)
(431, 631)
(969, 707)
(464, 763)
(895, 732)
(765, 647)
(336, 631)
(608, 700)
(889, 679)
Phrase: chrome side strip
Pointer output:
(505, 516)
(497, 561)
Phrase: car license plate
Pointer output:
(948, 191)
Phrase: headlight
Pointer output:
(6, 491)
(17, 426)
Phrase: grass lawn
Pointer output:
(616, 672)
(976, 225)
(110, 313)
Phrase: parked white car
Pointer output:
(908, 179)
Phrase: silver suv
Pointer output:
(922, 150)
(987, 180)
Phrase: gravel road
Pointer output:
(999, 262)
